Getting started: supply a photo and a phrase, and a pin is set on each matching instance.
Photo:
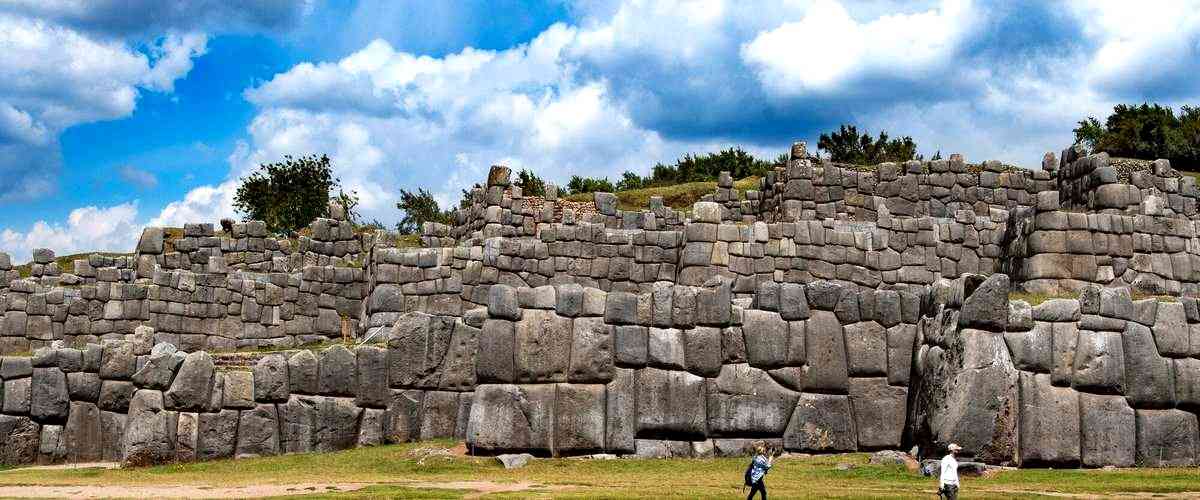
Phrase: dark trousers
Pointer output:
(758, 486)
(949, 492)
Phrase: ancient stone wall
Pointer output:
(1058, 251)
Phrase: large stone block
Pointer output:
(439, 414)
(258, 432)
(149, 430)
(866, 349)
(579, 417)
(879, 412)
(118, 361)
(115, 395)
(1148, 379)
(507, 417)
(271, 378)
(1107, 435)
(83, 433)
(702, 350)
(302, 372)
(766, 337)
(821, 423)
(238, 391)
(1049, 422)
(1099, 363)
(404, 416)
(621, 412)
(337, 424)
(1031, 350)
(1171, 333)
(159, 371)
(630, 345)
(591, 351)
(461, 361)
(1063, 339)
(496, 339)
(901, 340)
(371, 377)
(744, 400)
(986, 307)
(112, 436)
(1165, 438)
(670, 403)
(193, 385)
(417, 347)
(49, 399)
(666, 349)
(216, 434)
(298, 424)
(825, 348)
(543, 346)
(336, 367)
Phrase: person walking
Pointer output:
(948, 475)
(758, 468)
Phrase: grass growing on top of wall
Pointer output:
(414, 470)
(1034, 299)
(678, 196)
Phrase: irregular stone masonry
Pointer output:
(834, 309)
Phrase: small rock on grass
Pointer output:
(514, 461)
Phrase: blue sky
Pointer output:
(116, 114)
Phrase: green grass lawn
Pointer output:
(405, 471)
(678, 196)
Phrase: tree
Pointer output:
(530, 184)
(630, 180)
(419, 208)
(846, 145)
(1146, 131)
(702, 168)
(579, 185)
(287, 195)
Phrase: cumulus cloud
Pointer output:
(90, 228)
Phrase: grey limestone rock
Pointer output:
(301, 372)
(1099, 363)
(149, 430)
(670, 403)
(826, 351)
(271, 379)
(258, 432)
(84, 433)
(193, 385)
(744, 400)
(1049, 423)
(542, 346)
(766, 336)
(514, 460)
(1171, 333)
(1165, 438)
(866, 349)
(371, 389)
(591, 351)
(336, 371)
(158, 372)
(986, 307)
(1148, 378)
(507, 417)
(579, 418)
(238, 392)
(879, 412)
(1107, 437)
(49, 399)
(821, 423)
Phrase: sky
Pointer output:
(118, 114)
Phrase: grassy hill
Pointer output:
(678, 196)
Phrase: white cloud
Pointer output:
(829, 52)
(140, 178)
(90, 228)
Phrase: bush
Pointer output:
(1146, 131)
(579, 185)
(287, 195)
(846, 145)
(703, 168)
(530, 184)
(419, 208)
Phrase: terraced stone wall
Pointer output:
(1059, 251)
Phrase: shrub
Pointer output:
(287, 195)
(579, 185)
(1146, 131)
(530, 184)
(419, 208)
(846, 145)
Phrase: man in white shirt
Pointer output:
(948, 476)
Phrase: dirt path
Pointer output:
(176, 491)
(477, 489)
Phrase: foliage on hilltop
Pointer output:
(1146, 131)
